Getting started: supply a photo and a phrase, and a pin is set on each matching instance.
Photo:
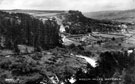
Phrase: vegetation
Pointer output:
(18, 28)
(61, 62)
(37, 67)
(111, 65)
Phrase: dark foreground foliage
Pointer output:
(37, 67)
(113, 68)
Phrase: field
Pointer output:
(122, 16)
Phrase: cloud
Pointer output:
(83, 5)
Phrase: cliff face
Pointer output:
(76, 23)
(18, 28)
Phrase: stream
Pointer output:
(90, 60)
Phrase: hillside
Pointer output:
(98, 50)
(122, 16)
(74, 21)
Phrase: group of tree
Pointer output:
(19, 28)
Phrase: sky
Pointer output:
(81, 5)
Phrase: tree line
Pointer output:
(19, 28)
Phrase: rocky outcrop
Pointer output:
(76, 23)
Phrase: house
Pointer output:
(62, 29)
